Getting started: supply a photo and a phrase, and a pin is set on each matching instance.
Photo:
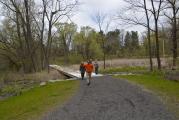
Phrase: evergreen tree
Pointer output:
(113, 41)
(127, 41)
(135, 40)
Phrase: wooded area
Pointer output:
(35, 34)
(134, 43)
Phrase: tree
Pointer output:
(20, 13)
(39, 19)
(103, 24)
(86, 43)
(135, 7)
(156, 14)
(56, 10)
(113, 42)
(148, 33)
(172, 5)
(156, 11)
(9, 46)
(135, 40)
(31, 27)
(66, 33)
(127, 41)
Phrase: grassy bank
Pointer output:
(13, 83)
(34, 103)
(167, 90)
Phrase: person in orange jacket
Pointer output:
(89, 69)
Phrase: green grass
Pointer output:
(34, 103)
(167, 90)
(123, 69)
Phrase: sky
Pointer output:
(88, 8)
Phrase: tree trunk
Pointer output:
(104, 56)
(174, 39)
(29, 34)
(41, 38)
(104, 52)
(150, 51)
(104, 59)
(157, 45)
(156, 14)
(148, 36)
(47, 55)
(66, 50)
(21, 54)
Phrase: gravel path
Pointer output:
(111, 99)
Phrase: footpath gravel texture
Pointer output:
(108, 98)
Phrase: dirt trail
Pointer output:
(111, 99)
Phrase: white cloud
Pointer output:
(89, 7)
(105, 5)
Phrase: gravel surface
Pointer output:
(111, 99)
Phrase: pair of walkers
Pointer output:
(88, 68)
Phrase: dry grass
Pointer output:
(124, 62)
(14, 83)
(36, 77)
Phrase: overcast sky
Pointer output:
(89, 7)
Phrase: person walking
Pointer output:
(82, 70)
(96, 66)
(89, 70)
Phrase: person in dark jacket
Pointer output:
(96, 66)
(82, 70)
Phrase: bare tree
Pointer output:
(22, 11)
(138, 6)
(156, 11)
(173, 8)
(55, 11)
(103, 24)
(39, 19)
(29, 25)
(148, 35)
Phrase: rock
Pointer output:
(43, 83)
